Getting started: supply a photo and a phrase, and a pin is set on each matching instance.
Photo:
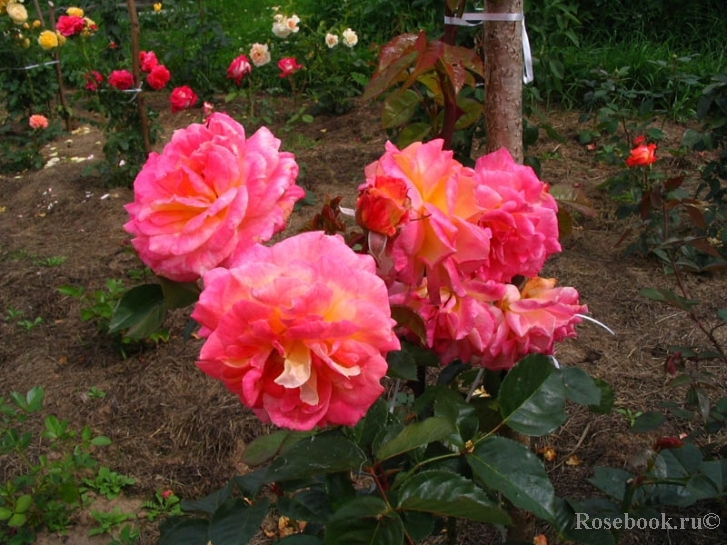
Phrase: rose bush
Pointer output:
(210, 195)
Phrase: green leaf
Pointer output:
(23, 503)
(648, 421)
(311, 505)
(722, 313)
(300, 539)
(101, 441)
(447, 494)
(532, 397)
(140, 310)
(669, 297)
(365, 520)
(611, 481)
(236, 523)
(178, 294)
(510, 468)
(399, 108)
(372, 423)
(17, 520)
(34, 399)
(607, 398)
(318, 455)
(266, 447)
(580, 387)
(418, 525)
(401, 365)
(183, 531)
(416, 435)
(210, 503)
(5, 513)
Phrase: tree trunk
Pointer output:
(504, 80)
(143, 121)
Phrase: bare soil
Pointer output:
(174, 428)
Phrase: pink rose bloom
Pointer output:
(182, 98)
(93, 78)
(299, 331)
(533, 319)
(209, 196)
(459, 327)
(38, 121)
(520, 214)
(239, 68)
(441, 239)
(288, 66)
(70, 25)
(147, 60)
(158, 77)
(121, 80)
(384, 206)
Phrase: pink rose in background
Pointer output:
(209, 196)
(288, 66)
(239, 68)
(519, 213)
(441, 240)
(38, 121)
(70, 25)
(207, 108)
(93, 78)
(147, 60)
(299, 331)
(182, 98)
(158, 77)
(533, 319)
(121, 80)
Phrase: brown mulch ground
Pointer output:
(173, 427)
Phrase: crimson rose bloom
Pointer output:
(642, 155)
(70, 25)
(158, 77)
(147, 61)
(93, 78)
(121, 80)
(288, 67)
(239, 68)
(182, 98)
(384, 206)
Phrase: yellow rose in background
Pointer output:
(17, 13)
(74, 12)
(26, 26)
(48, 39)
(25, 43)
(61, 38)
(36, 24)
(157, 7)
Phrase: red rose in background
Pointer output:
(70, 25)
(93, 78)
(147, 61)
(288, 66)
(182, 98)
(239, 68)
(158, 77)
(642, 156)
(121, 80)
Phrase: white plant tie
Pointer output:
(31, 66)
(473, 19)
(604, 326)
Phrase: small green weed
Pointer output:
(108, 483)
(164, 503)
(30, 324)
(108, 522)
(52, 261)
(95, 393)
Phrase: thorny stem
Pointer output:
(685, 292)
(382, 491)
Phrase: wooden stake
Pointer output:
(134, 19)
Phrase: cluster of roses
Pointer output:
(300, 330)
(463, 247)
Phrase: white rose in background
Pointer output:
(350, 38)
(259, 54)
(331, 40)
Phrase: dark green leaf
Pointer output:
(611, 481)
(399, 108)
(365, 520)
(310, 505)
(179, 294)
(209, 503)
(447, 494)
(141, 310)
(648, 421)
(580, 387)
(235, 522)
(317, 455)
(607, 398)
(513, 470)
(532, 397)
(266, 447)
(183, 531)
(669, 297)
(372, 423)
(401, 365)
(416, 435)
(418, 525)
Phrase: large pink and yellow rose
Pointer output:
(210, 195)
(519, 213)
(441, 239)
(299, 331)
